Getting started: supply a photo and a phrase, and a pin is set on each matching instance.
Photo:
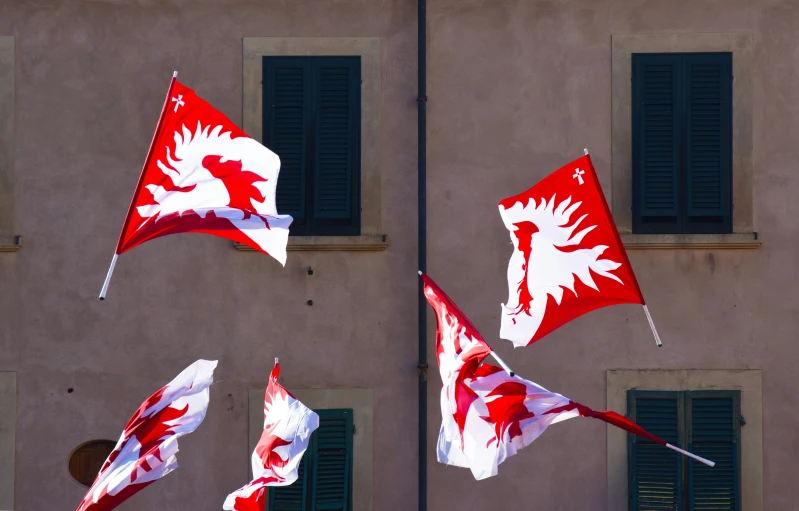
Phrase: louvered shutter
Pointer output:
(655, 472)
(286, 124)
(332, 468)
(656, 138)
(294, 496)
(714, 434)
(708, 139)
(336, 136)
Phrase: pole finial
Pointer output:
(275, 360)
(420, 272)
(585, 151)
(174, 74)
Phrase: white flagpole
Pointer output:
(138, 187)
(502, 363)
(692, 455)
(108, 276)
(648, 316)
(652, 326)
(646, 310)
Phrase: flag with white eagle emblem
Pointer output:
(204, 174)
(568, 258)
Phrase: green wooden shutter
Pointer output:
(708, 139)
(337, 137)
(332, 471)
(294, 496)
(655, 472)
(286, 123)
(656, 138)
(714, 434)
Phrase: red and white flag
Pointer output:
(288, 425)
(204, 174)
(487, 414)
(147, 449)
(568, 258)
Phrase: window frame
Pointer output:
(681, 224)
(685, 433)
(742, 46)
(10, 241)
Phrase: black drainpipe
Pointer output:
(422, 178)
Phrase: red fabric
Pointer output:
(610, 417)
(449, 316)
(180, 120)
(256, 502)
(459, 350)
(559, 186)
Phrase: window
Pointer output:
(682, 143)
(87, 460)
(312, 121)
(707, 423)
(325, 473)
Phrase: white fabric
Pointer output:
(288, 425)
(482, 447)
(189, 391)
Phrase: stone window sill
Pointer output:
(362, 243)
(10, 243)
(744, 241)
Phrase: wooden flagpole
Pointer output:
(138, 188)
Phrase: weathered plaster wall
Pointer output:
(517, 89)
(90, 81)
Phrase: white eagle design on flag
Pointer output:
(567, 257)
(206, 175)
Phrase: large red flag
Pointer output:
(487, 413)
(204, 174)
(568, 258)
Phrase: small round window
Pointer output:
(87, 460)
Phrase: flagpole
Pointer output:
(624, 253)
(691, 455)
(138, 187)
(652, 326)
(108, 276)
(502, 363)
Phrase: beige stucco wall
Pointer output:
(516, 89)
